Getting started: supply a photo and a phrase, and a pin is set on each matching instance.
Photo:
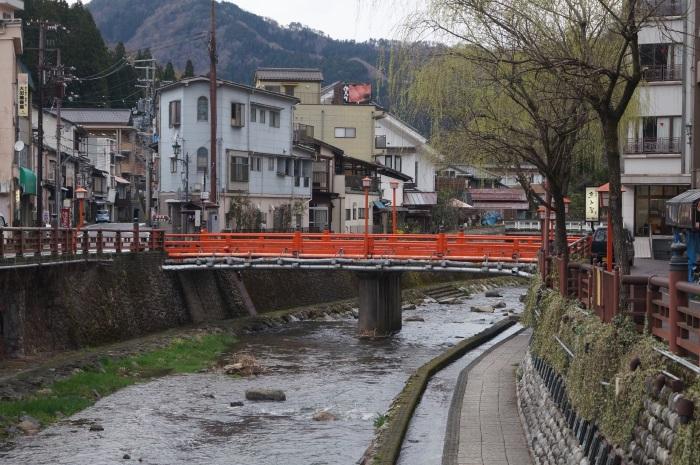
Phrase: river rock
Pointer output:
(270, 395)
(29, 425)
(324, 415)
(414, 318)
(126, 457)
(243, 365)
(483, 309)
(500, 304)
(236, 404)
(97, 427)
(523, 298)
(408, 307)
(492, 294)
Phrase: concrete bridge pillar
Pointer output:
(380, 303)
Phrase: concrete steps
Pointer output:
(446, 294)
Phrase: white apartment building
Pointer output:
(257, 164)
(657, 152)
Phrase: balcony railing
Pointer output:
(662, 73)
(320, 180)
(354, 182)
(655, 145)
(659, 8)
(303, 132)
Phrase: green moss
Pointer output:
(686, 448)
(82, 389)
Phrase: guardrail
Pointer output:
(454, 247)
(49, 243)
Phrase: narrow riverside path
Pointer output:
(490, 432)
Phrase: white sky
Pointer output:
(340, 19)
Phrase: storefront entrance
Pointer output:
(650, 208)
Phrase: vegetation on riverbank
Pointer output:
(606, 376)
(85, 387)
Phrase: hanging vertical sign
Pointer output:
(23, 95)
(591, 204)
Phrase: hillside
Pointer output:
(175, 30)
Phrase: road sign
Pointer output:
(592, 204)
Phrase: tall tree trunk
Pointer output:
(561, 245)
(612, 152)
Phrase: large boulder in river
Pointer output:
(414, 319)
(493, 294)
(500, 304)
(267, 395)
(324, 415)
(483, 309)
(29, 425)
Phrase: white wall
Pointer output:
(655, 166)
(628, 208)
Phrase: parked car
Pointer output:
(3, 223)
(102, 216)
(600, 241)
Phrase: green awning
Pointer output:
(27, 180)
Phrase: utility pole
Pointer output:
(213, 101)
(60, 87)
(40, 128)
(149, 84)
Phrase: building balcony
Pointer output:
(662, 8)
(653, 145)
(354, 183)
(320, 180)
(303, 132)
(662, 73)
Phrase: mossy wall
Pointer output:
(614, 376)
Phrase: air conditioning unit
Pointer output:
(5, 187)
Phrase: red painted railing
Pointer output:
(457, 247)
(667, 307)
(49, 243)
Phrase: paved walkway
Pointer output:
(490, 429)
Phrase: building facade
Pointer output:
(263, 181)
(657, 152)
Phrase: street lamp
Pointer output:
(604, 202)
(394, 222)
(81, 194)
(177, 149)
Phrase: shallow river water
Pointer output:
(187, 419)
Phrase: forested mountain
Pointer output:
(176, 30)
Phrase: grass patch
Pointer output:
(380, 420)
(83, 389)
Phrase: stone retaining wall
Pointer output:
(558, 435)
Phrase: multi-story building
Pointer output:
(11, 47)
(657, 153)
(263, 180)
(367, 133)
(302, 83)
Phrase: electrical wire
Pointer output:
(123, 65)
(106, 70)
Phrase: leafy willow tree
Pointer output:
(589, 46)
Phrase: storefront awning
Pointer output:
(120, 180)
(27, 180)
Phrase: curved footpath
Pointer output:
(487, 424)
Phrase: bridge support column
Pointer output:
(380, 303)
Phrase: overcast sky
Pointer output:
(341, 19)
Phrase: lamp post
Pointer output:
(366, 184)
(81, 194)
(604, 199)
(394, 222)
(177, 148)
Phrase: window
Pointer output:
(289, 90)
(345, 133)
(237, 115)
(239, 169)
(174, 113)
(173, 165)
(255, 163)
(288, 166)
(361, 214)
(275, 119)
(415, 175)
(202, 109)
(387, 161)
(380, 142)
(297, 168)
(271, 164)
(397, 163)
(202, 160)
(393, 162)
(354, 211)
(263, 113)
(277, 89)
(661, 62)
(253, 114)
(348, 214)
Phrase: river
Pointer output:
(187, 419)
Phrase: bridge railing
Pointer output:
(62, 242)
(458, 247)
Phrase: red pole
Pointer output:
(366, 221)
(393, 213)
(609, 250)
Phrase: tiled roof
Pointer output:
(288, 74)
(498, 195)
(420, 198)
(96, 116)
